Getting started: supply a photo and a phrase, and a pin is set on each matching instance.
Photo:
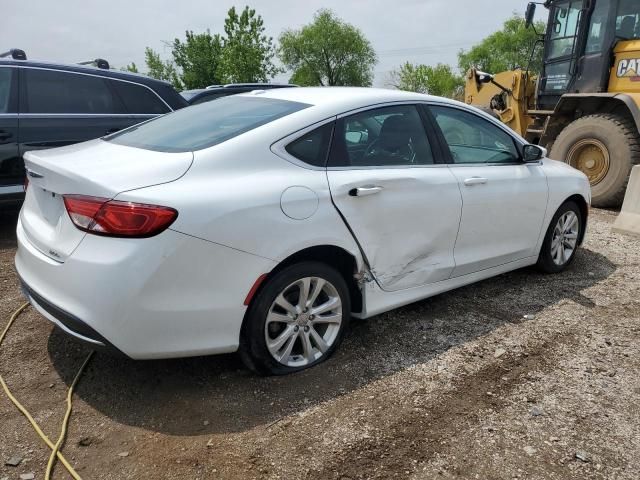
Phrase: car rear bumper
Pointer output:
(171, 295)
(71, 325)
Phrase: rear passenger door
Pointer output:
(11, 170)
(401, 203)
(504, 199)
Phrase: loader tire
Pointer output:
(605, 147)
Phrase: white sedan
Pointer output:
(262, 222)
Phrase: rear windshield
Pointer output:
(205, 125)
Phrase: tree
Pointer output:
(199, 56)
(439, 80)
(247, 53)
(130, 68)
(162, 70)
(328, 51)
(506, 49)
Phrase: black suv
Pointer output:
(216, 91)
(46, 105)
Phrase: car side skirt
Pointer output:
(377, 301)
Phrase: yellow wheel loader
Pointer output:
(584, 107)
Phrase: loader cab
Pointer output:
(579, 42)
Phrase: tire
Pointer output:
(619, 138)
(267, 318)
(548, 258)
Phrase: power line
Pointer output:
(423, 50)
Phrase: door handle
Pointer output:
(364, 191)
(475, 181)
(5, 135)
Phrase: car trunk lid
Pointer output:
(96, 168)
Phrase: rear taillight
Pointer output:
(113, 218)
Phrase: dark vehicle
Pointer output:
(46, 105)
(216, 91)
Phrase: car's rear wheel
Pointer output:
(296, 320)
(562, 238)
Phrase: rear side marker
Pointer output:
(113, 218)
(254, 289)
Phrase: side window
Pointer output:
(49, 91)
(139, 99)
(388, 136)
(472, 139)
(313, 147)
(597, 28)
(564, 28)
(628, 20)
(6, 75)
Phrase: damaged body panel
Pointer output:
(407, 229)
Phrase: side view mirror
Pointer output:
(533, 153)
(530, 14)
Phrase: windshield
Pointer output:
(628, 20)
(205, 125)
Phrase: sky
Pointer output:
(418, 31)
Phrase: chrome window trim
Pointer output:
(97, 76)
(110, 115)
(376, 106)
(387, 167)
(279, 147)
(495, 164)
(13, 188)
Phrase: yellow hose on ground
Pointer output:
(65, 421)
(55, 449)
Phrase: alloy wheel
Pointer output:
(303, 322)
(565, 238)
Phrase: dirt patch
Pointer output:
(508, 378)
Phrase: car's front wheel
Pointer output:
(297, 319)
(562, 238)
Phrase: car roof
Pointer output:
(230, 89)
(253, 85)
(119, 74)
(344, 98)
(327, 102)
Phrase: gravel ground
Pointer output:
(520, 376)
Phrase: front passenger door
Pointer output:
(504, 200)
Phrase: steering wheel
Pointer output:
(370, 148)
(399, 158)
(454, 136)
